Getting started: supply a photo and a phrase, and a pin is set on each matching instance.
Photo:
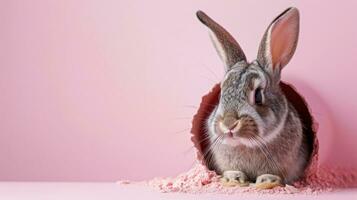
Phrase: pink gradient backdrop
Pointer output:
(105, 90)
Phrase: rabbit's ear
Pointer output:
(279, 41)
(227, 47)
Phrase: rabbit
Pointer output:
(255, 133)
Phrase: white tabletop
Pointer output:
(113, 191)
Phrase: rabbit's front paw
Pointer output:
(234, 178)
(268, 181)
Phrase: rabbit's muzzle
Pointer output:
(233, 126)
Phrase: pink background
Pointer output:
(105, 90)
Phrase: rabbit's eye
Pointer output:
(258, 98)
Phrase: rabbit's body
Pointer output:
(254, 130)
(287, 154)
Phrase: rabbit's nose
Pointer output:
(229, 126)
(230, 123)
(230, 120)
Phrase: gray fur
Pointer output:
(285, 150)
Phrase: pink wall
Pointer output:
(94, 90)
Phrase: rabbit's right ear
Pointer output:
(227, 47)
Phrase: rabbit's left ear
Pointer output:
(279, 41)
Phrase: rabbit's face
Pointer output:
(250, 105)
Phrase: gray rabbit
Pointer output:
(255, 133)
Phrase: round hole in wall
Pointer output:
(211, 99)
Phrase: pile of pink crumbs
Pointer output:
(200, 180)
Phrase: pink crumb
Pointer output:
(123, 182)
